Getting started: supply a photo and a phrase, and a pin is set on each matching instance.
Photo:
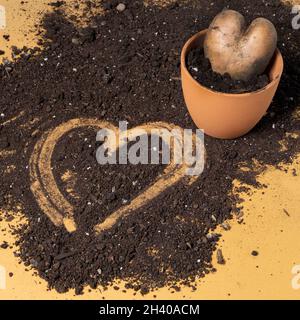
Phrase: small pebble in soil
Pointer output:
(225, 225)
(76, 41)
(121, 7)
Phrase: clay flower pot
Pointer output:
(225, 115)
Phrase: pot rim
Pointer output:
(245, 94)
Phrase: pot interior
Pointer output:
(274, 68)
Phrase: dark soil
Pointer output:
(200, 68)
(127, 68)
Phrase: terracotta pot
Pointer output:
(225, 115)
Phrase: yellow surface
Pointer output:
(271, 226)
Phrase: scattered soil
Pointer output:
(220, 257)
(4, 245)
(254, 253)
(200, 68)
(128, 70)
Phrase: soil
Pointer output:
(200, 69)
(125, 66)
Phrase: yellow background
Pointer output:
(266, 228)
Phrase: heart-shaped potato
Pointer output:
(233, 48)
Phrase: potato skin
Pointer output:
(233, 49)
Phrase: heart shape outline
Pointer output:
(52, 202)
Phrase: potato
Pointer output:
(239, 51)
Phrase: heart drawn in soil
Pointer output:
(53, 203)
